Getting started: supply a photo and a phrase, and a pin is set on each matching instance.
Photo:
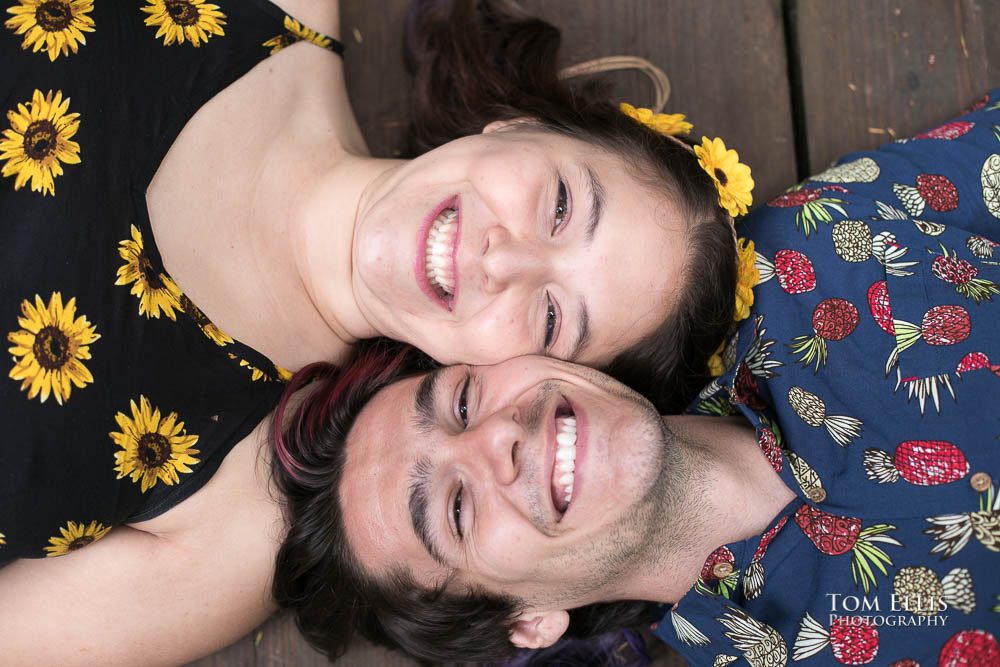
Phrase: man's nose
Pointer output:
(510, 260)
(498, 439)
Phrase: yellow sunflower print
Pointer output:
(178, 20)
(156, 291)
(296, 32)
(215, 334)
(50, 347)
(732, 178)
(39, 141)
(154, 448)
(55, 26)
(3, 539)
(75, 536)
(256, 375)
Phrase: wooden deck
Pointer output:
(791, 84)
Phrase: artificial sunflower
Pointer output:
(39, 141)
(732, 178)
(670, 124)
(154, 447)
(55, 26)
(746, 278)
(50, 347)
(193, 20)
(155, 290)
(296, 32)
(75, 536)
(217, 335)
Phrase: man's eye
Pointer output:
(561, 208)
(551, 319)
(456, 513)
(463, 403)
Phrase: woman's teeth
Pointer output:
(440, 252)
(563, 473)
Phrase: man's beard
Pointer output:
(658, 527)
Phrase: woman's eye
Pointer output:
(463, 403)
(550, 320)
(561, 209)
(456, 513)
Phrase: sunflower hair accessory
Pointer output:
(747, 276)
(731, 177)
(670, 124)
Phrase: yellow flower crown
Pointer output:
(734, 184)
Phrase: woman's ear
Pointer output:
(512, 124)
(539, 629)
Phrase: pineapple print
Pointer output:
(807, 478)
(924, 388)
(948, 131)
(812, 410)
(951, 532)
(758, 356)
(962, 274)
(685, 631)
(854, 641)
(981, 247)
(753, 580)
(878, 304)
(852, 240)
(836, 535)
(931, 190)
(719, 574)
(723, 660)
(815, 206)
(714, 400)
(795, 271)
(862, 170)
(970, 648)
(760, 644)
(941, 325)
(886, 212)
(975, 361)
(832, 320)
(921, 462)
(990, 178)
(919, 591)
(769, 444)
(745, 391)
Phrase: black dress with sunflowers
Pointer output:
(120, 397)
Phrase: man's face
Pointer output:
(466, 472)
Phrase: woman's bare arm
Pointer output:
(189, 582)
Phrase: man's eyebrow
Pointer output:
(424, 417)
(582, 331)
(596, 203)
(420, 482)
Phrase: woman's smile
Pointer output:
(435, 265)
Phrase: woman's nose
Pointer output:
(508, 260)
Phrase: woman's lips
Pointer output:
(435, 265)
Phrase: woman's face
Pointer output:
(517, 241)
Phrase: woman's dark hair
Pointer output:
(317, 574)
(478, 62)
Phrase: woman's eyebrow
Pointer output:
(596, 203)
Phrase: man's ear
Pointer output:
(538, 629)
(512, 124)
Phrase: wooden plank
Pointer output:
(725, 60)
(873, 70)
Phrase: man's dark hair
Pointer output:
(318, 575)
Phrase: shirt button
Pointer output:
(816, 494)
(981, 481)
(722, 570)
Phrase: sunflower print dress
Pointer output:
(870, 369)
(119, 396)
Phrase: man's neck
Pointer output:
(734, 494)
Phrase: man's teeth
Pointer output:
(440, 252)
(562, 476)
